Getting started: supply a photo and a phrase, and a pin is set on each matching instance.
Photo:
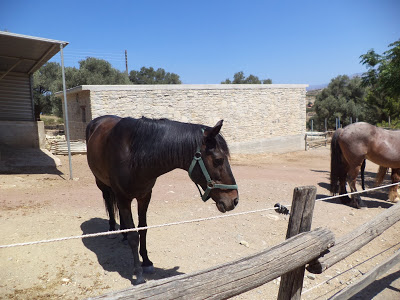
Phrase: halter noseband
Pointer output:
(210, 183)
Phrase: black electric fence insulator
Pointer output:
(281, 209)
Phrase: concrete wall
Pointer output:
(257, 118)
(22, 134)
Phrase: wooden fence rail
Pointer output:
(237, 277)
(316, 139)
(354, 240)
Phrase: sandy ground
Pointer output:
(45, 206)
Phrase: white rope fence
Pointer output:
(179, 222)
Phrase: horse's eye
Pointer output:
(218, 162)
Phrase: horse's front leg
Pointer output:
(125, 212)
(356, 201)
(393, 191)
(143, 204)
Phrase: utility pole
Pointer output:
(126, 62)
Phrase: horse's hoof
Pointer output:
(354, 204)
(361, 204)
(395, 200)
(148, 269)
(139, 280)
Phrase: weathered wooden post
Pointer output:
(300, 221)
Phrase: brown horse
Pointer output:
(353, 144)
(127, 155)
(393, 190)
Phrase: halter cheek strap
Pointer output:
(210, 183)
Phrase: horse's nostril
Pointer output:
(236, 201)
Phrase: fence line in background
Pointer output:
(178, 222)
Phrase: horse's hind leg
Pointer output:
(342, 179)
(124, 206)
(342, 191)
(356, 201)
(143, 204)
(393, 191)
(122, 226)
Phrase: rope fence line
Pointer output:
(178, 222)
(134, 229)
(359, 192)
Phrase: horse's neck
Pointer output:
(169, 152)
(182, 156)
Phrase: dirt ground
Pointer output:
(45, 206)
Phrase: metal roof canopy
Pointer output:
(26, 54)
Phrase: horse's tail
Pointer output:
(110, 201)
(380, 175)
(338, 170)
(362, 174)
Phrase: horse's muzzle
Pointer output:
(224, 206)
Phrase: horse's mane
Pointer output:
(155, 142)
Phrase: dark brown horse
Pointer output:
(127, 155)
(353, 144)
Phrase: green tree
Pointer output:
(46, 81)
(343, 98)
(151, 76)
(99, 71)
(239, 78)
(383, 81)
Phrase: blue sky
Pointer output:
(305, 42)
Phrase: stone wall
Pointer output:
(257, 118)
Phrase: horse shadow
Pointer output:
(114, 255)
(368, 203)
(375, 199)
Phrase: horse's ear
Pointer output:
(212, 132)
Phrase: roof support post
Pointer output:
(66, 112)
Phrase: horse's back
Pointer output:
(374, 143)
(357, 135)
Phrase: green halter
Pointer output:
(210, 183)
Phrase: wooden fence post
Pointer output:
(299, 221)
